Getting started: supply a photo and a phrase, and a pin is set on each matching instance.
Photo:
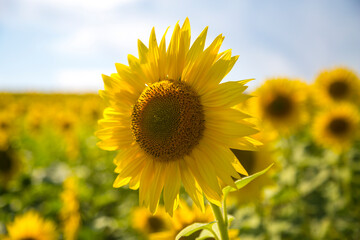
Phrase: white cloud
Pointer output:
(91, 40)
(80, 80)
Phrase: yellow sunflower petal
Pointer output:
(172, 185)
(205, 178)
(156, 186)
(219, 70)
(196, 76)
(228, 94)
(146, 179)
(173, 67)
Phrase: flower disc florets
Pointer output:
(280, 107)
(167, 120)
(339, 126)
(339, 89)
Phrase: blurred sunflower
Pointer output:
(185, 216)
(9, 165)
(31, 226)
(147, 223)
(280, 103)
(92, 108)
(337, 127)
(35, 118)
(66, 122)
(69, 213)
(174, 122)
(337, 85)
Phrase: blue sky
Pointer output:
(65, 45)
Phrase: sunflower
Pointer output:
(31, 226)
(173, 121)
(66, 122)
(185, 216)
(67, 125)
(91, 109)
(280, 103)
(9, 165)
(337, 85)
(337, 127)
(35, 118)
(147, 223)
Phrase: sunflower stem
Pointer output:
(223, 228)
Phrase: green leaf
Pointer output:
(194, 228)
(205, 234)
(244, 181)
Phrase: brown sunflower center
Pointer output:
(156, 224)
(6, 162)
(66, 126)
(168, 120)
(339, 127)
(280, 106)
(28, 238)
(338, 89)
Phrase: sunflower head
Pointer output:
(281, 104)
(31, 226)
(169, 117)
(147, 223)
(35, 118)
(66, 122)
(91, 108)
(183, 217)
(186, 215)
(337, 127)
(167, 120)
(337, 85)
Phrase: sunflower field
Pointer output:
(208, 159)
(57, 184)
